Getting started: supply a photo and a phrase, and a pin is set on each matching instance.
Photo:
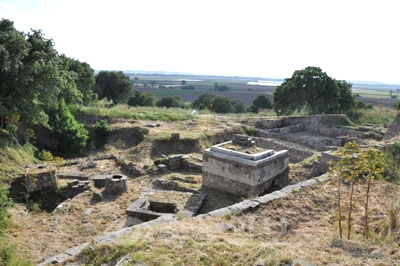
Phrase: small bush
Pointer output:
(46, 156)
(102, 131)
(72, 136)
(378, 115)
(33, 207)
(392, 155)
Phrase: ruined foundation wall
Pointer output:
(239, 176)
(295, 154)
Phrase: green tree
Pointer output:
(72, 136)
(261, 102)
(170, 101)
(217, 87)
(142, 99)
(114, 85)
(239, 106)
(29, 76)
(221, 105)
(355, 165)
(33, 77)
(204, 101)
(84, 79)
(313, 91)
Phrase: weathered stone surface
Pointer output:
(75, 175)
(175, 162)
(175, 136)
(132, 169)
(296, 151)
(116, 185)
(171, 185)
(243, 140)
(59, 258)
(163, 207)
(326, 158)
(99, 181)
(40, 177)
(242, 174)
(394, 128)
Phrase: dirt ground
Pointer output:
(39, 234)
(308, 215)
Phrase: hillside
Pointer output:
(300, 229)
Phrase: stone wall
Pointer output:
(40, 177)
(394, 128)
(115, 185)
(296, 154)
(326, 158)
(317, 124)
(241, 176)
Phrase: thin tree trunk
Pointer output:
(351, 209)
(340, 208)
(366, 229)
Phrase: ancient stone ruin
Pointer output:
(40, 177)
(115, 185)
(240, 172)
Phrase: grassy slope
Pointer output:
(257, 238)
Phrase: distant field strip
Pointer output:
(375, 93)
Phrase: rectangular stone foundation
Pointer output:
(240, 173)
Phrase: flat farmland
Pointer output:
(247, 89)
(171, 85)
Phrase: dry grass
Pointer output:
(260, 237)
(247, 239)
(239, 148)
(40, 235)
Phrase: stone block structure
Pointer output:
(40, 177)
(115, 185)
(241, 173)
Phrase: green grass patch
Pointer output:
(379, 94)
(378, 116)
(138, 113)
(12, 159)
(175, 92)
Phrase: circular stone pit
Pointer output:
(116, 184)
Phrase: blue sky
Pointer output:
(350, 40)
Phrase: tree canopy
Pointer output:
(261, 102)
(72, 136)
(142, 99)
(171, 101)
(114, 85)
(33, 77)
(313, 91)
(219, 104)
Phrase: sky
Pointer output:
(348, 39)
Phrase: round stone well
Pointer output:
(116, 184)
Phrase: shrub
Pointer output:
(261, 102)
(142, 99)
(392, 155)
(171, 101)
(46, 156)
(398, 105)
(221, 105)
(72, 136)
(239, 106)
(102, 131)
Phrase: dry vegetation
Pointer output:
(300, 229)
